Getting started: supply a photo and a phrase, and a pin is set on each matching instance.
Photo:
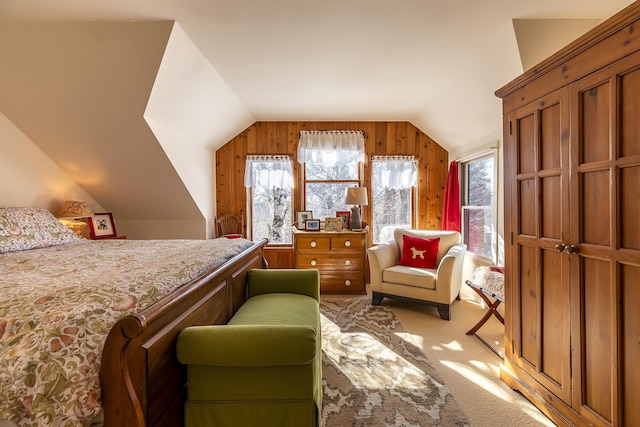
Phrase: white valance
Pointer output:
(269, 171)
(314, 143)
(395, 172)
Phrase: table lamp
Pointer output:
(72, 214)
(356, 196)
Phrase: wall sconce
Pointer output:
(356, 196)
(72, 215)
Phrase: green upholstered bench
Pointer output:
(264, 367)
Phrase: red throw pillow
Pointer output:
(419, 252)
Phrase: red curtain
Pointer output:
(451, 204)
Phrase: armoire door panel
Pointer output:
(629, 215)
(630, 111)
(550, 144)
(595, 208)
(550, 209)
(529, 306)
(596, 109)
(630, 374)
(527, 202)
(555, 312)
(599, 336)
(527, 133)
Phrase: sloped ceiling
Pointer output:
(79, 90)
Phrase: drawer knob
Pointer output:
(313, 262)
(347, 243)
(347, 262)
(347, 282)
(313, 244)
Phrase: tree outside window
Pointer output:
(270, 180)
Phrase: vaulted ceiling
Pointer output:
(131, 98)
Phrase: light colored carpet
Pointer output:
(373, 375)
(468, 368)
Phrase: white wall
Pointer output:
(187, 106)
(28, 177)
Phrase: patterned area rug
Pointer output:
(373, 375)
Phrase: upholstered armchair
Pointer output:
(423, 266)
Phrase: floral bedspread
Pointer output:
(57, 305)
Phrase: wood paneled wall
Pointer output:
(391, 138)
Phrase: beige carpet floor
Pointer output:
(468, 368)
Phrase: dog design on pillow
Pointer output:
(416, 253)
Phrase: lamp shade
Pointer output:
(75, 209)
(356, 196)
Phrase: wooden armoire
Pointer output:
(572, 228)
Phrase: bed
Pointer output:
(88, 328)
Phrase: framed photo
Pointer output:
(301, 216)
(346, 218)
(332, 224)
(312, 224)
(102, 226)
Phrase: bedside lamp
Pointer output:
(356, 196)
(72, 214)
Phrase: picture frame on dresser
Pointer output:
(312, 224)
(102, 226)
(301, 216)
(332, 224)
(346, 218)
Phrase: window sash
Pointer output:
(479, 219)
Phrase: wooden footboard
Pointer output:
(142, 382)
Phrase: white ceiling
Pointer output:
(435, 63)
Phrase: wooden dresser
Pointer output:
(572, 235)
(340, 257)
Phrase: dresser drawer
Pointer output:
(314, 242)
(347, 282)
(352, 261)
(339, 243)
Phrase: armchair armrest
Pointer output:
(292, 281)
(381, 256)
(449, 272)
(247, 345)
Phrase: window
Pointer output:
(393, 179)
(332, 162)
(478, 205)
(270, 182)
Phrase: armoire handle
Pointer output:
(572, 249)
